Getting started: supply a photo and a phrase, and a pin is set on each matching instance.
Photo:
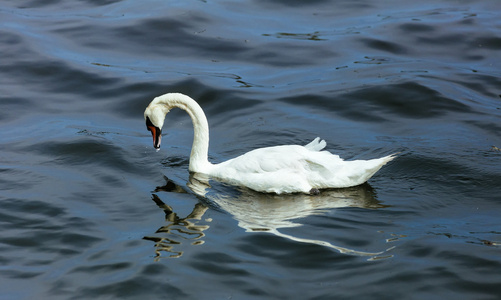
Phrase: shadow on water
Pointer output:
(255, 212)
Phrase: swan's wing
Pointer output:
(288, 157)
(300, 169)
(280, 169)
(261, 160)
(293, 168)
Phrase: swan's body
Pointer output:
(280, 169)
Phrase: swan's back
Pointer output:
(294, 168)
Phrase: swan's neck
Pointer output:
(199, 152)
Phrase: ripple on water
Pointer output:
(78, 172)
(386, 103)
(41, 232)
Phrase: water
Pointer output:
(87, 212)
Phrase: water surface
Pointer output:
(90, 210)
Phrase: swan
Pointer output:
(279, 169)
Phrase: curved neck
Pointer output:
(199, 152)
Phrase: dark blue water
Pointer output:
(88, 209)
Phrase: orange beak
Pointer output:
(155, 132)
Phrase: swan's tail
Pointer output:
(316, 145)
(389, 158)
(370, 167)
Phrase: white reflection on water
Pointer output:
(259, 212)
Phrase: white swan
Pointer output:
(279, 169)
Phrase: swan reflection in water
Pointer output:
(186, 228)
(257, 212)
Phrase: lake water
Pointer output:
(89, 210)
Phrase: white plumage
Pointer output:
(279, 169)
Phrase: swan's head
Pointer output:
(155, 116)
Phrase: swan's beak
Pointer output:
(155, 132)
(157, 137)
